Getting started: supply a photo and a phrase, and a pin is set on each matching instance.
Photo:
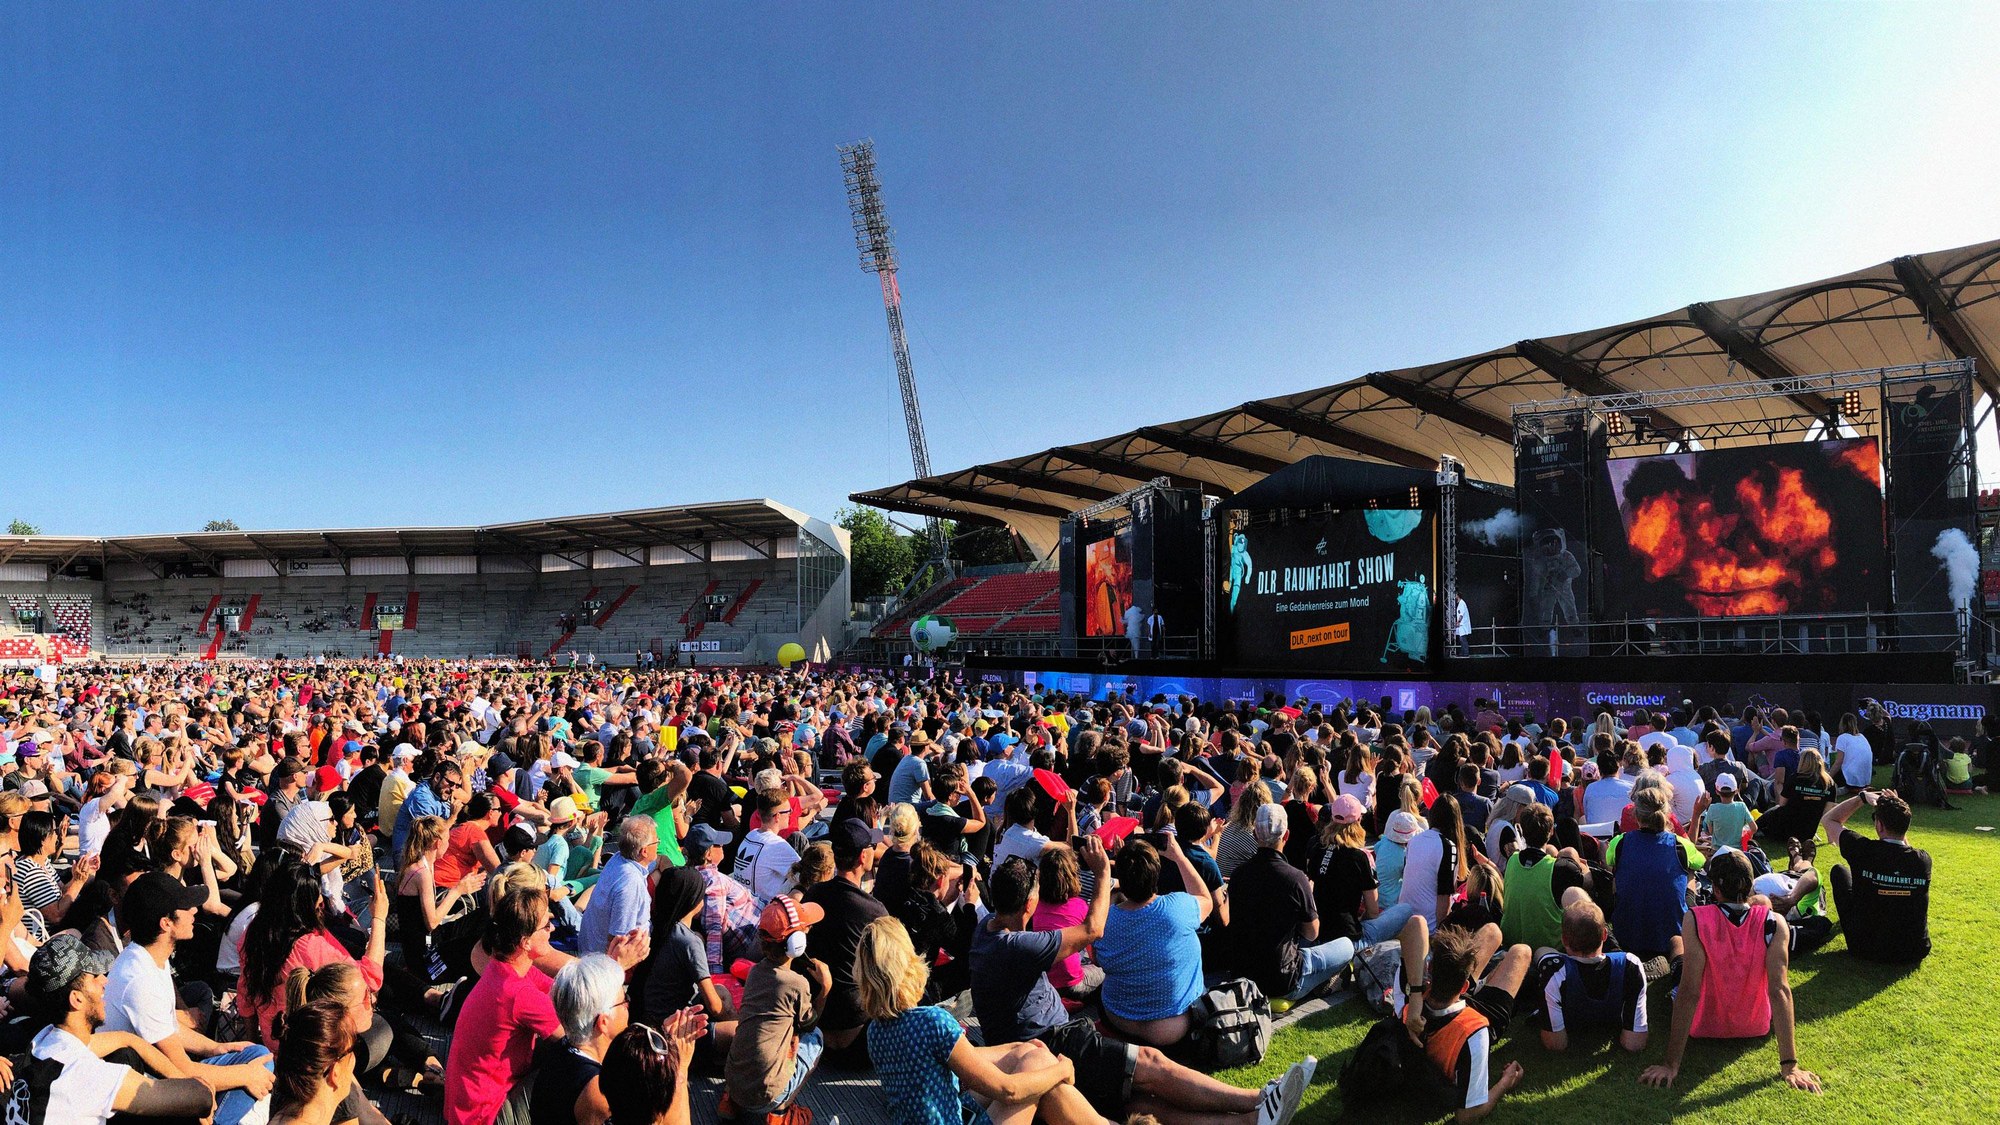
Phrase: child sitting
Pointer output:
(1726, 824)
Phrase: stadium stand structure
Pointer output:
(734, 581)
(1014, 612)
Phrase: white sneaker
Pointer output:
(1283, 1097)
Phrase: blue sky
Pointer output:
(317, 265)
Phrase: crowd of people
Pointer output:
(248, 891)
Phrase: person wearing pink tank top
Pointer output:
(1734, 983)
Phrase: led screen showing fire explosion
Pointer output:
(1744, 532)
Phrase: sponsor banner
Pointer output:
(1332, 592)
(1954, 710)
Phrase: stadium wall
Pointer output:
(459, 606)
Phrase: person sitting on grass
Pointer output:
(1798, 893)
(1457, 1017)
(1539, 881)
(1733, 982)
(1345, 886)
(1727, 822)
(1885, 899)
(1585, 987)
(1958, 768)
(1650, 869)
(1150, 951)
(1016, 1004)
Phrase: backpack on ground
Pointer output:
(1919, 776)
(1376, 969)
(1389, 1063)
(1230, 1025)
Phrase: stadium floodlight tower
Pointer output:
(874, 238)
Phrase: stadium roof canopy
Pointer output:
(1936, 306)
(751, 521)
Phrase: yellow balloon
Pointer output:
(790, 653)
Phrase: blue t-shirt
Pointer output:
(912, 1057)
(1543, 794)
(910, 775)
(1151, 958)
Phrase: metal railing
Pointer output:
(1816, 634)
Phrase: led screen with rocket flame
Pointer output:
(1744, 532)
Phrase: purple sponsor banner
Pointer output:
(1951, 709)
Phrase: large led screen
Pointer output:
(1107, 584)
(1345, 590)
(1744, 532)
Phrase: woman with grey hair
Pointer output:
(589, 998)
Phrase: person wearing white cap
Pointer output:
(1727, 820)
(1392, 851)
(396, 789)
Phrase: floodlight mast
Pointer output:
(873, 237)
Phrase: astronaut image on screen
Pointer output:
(1411, 634)
(1240, 566)
(1549, 574)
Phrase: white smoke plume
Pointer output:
(1502, 529)
(1960, 561)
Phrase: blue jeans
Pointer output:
(810, 1046)
(1321, 963)
(237, 1107)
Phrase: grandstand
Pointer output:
(997, 611)
(724, 583)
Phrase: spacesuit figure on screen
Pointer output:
(1239, 566)
(1411, 634)
(1548, 593)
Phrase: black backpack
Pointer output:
(1387, 1064)
(1919, 776)
(1230, 1025)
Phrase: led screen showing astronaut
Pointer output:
(1753, 531)
(1334, 591)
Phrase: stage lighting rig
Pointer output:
(1850, 402)
(1415, 500)
(1615, 425)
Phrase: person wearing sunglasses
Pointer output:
(589, 995)
(646, 1070)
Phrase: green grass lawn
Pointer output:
(1890, 1044)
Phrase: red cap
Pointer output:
(787, 916)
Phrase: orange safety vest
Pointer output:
(1444, 1044)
